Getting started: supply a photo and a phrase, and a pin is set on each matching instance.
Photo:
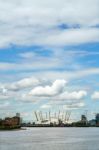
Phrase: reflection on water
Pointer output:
(50, 139)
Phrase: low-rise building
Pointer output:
(10, 121)
(92, 122)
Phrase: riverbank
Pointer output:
(3, 128)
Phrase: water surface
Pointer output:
(50, 139)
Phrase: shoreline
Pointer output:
(12, 129)
(25, 128)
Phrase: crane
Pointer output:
(46, 115)
(59, 115)
(36, 116)
(69, 113)
(40, 116)
(66, 116)
(49, 116)
(63, 116)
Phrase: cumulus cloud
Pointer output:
(75, 95)
(95, 95)
(21, 84)
(56, 88)
(68, 100)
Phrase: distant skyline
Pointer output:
(49, 57)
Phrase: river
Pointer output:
(50, 139)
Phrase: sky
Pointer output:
(49, 57)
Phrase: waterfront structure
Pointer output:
(54, 119)
(10, 122)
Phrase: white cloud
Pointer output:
(21, 84)
(65, 106)
(4, 97)
(45, 106)
(38, 22)
(69, 74)
(95, 95)
(71, 36)
(56, 88)
(74, 106)
(52, 96)
(32, 63)
(27, 55)
(4, 105)
(35, 22)
(6, 66)
(75, 95)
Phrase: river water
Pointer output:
(50, 139)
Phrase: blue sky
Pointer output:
(49, 57)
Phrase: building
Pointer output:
(97, 119)
(18, 115)
(83, 119)
(11, 122)
(92, 122)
